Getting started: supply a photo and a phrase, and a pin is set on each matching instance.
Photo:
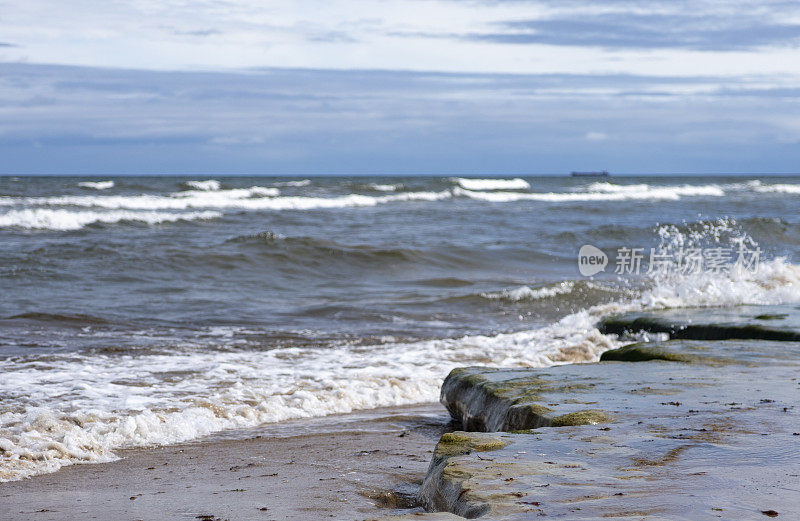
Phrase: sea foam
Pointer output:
(779, 188)
(527, 293)
(97, 185)
(304, 182)
(65, 220)
(385, 188)
(492, 184)
(208, 185)
(54, 212)
(253, 198)
(600, 192)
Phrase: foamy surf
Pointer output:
(253, 198)
(207, 185)
(779, 188)
(37, 212)
(303, 182)
(97, 185)
(68, 220)
(527, 293)
(599, 194)
(492, 184)
(385, 188)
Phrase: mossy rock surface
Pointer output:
(588, 417)
(719, 352)
(465, 442)
(646, 352)
(492, 400)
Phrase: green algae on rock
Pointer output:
(494, 400)
(588, 417)
(719, 352)
(643, 353)
(466, 442)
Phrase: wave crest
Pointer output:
(492, 184)
(527, 293)
(97, 185)
(206, 186)
(69, 220)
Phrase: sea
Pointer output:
(142, 311)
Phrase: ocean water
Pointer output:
(138, 311)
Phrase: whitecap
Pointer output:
(779, 188)
(492, 184)
(97, 185)
(618, 193)
(66, 220)
(253, 198)
(304, 182)
(208, 185)
(385, 188)
(527, 293)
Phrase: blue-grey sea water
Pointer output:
(149, 310)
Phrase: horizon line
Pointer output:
(471, 175)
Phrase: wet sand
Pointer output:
(345, 467)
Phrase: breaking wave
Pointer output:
(68, 220)
(253, 198)
(778, 188)
(97, 185)
(304, 182)
(385, 188)
(492, 184)
(600, 193)
(208, 185)
(51, 212)
(527, 293)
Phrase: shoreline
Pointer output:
(636, 434)
(345, 467)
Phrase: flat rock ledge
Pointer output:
(673, 429)
(780, 323)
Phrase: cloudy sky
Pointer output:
(399, 86)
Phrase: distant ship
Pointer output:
(602, 173)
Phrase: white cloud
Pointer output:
(596, 136)
(314, 121)
(347, 34)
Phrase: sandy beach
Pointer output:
(342, 467)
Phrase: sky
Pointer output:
(470, 87)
